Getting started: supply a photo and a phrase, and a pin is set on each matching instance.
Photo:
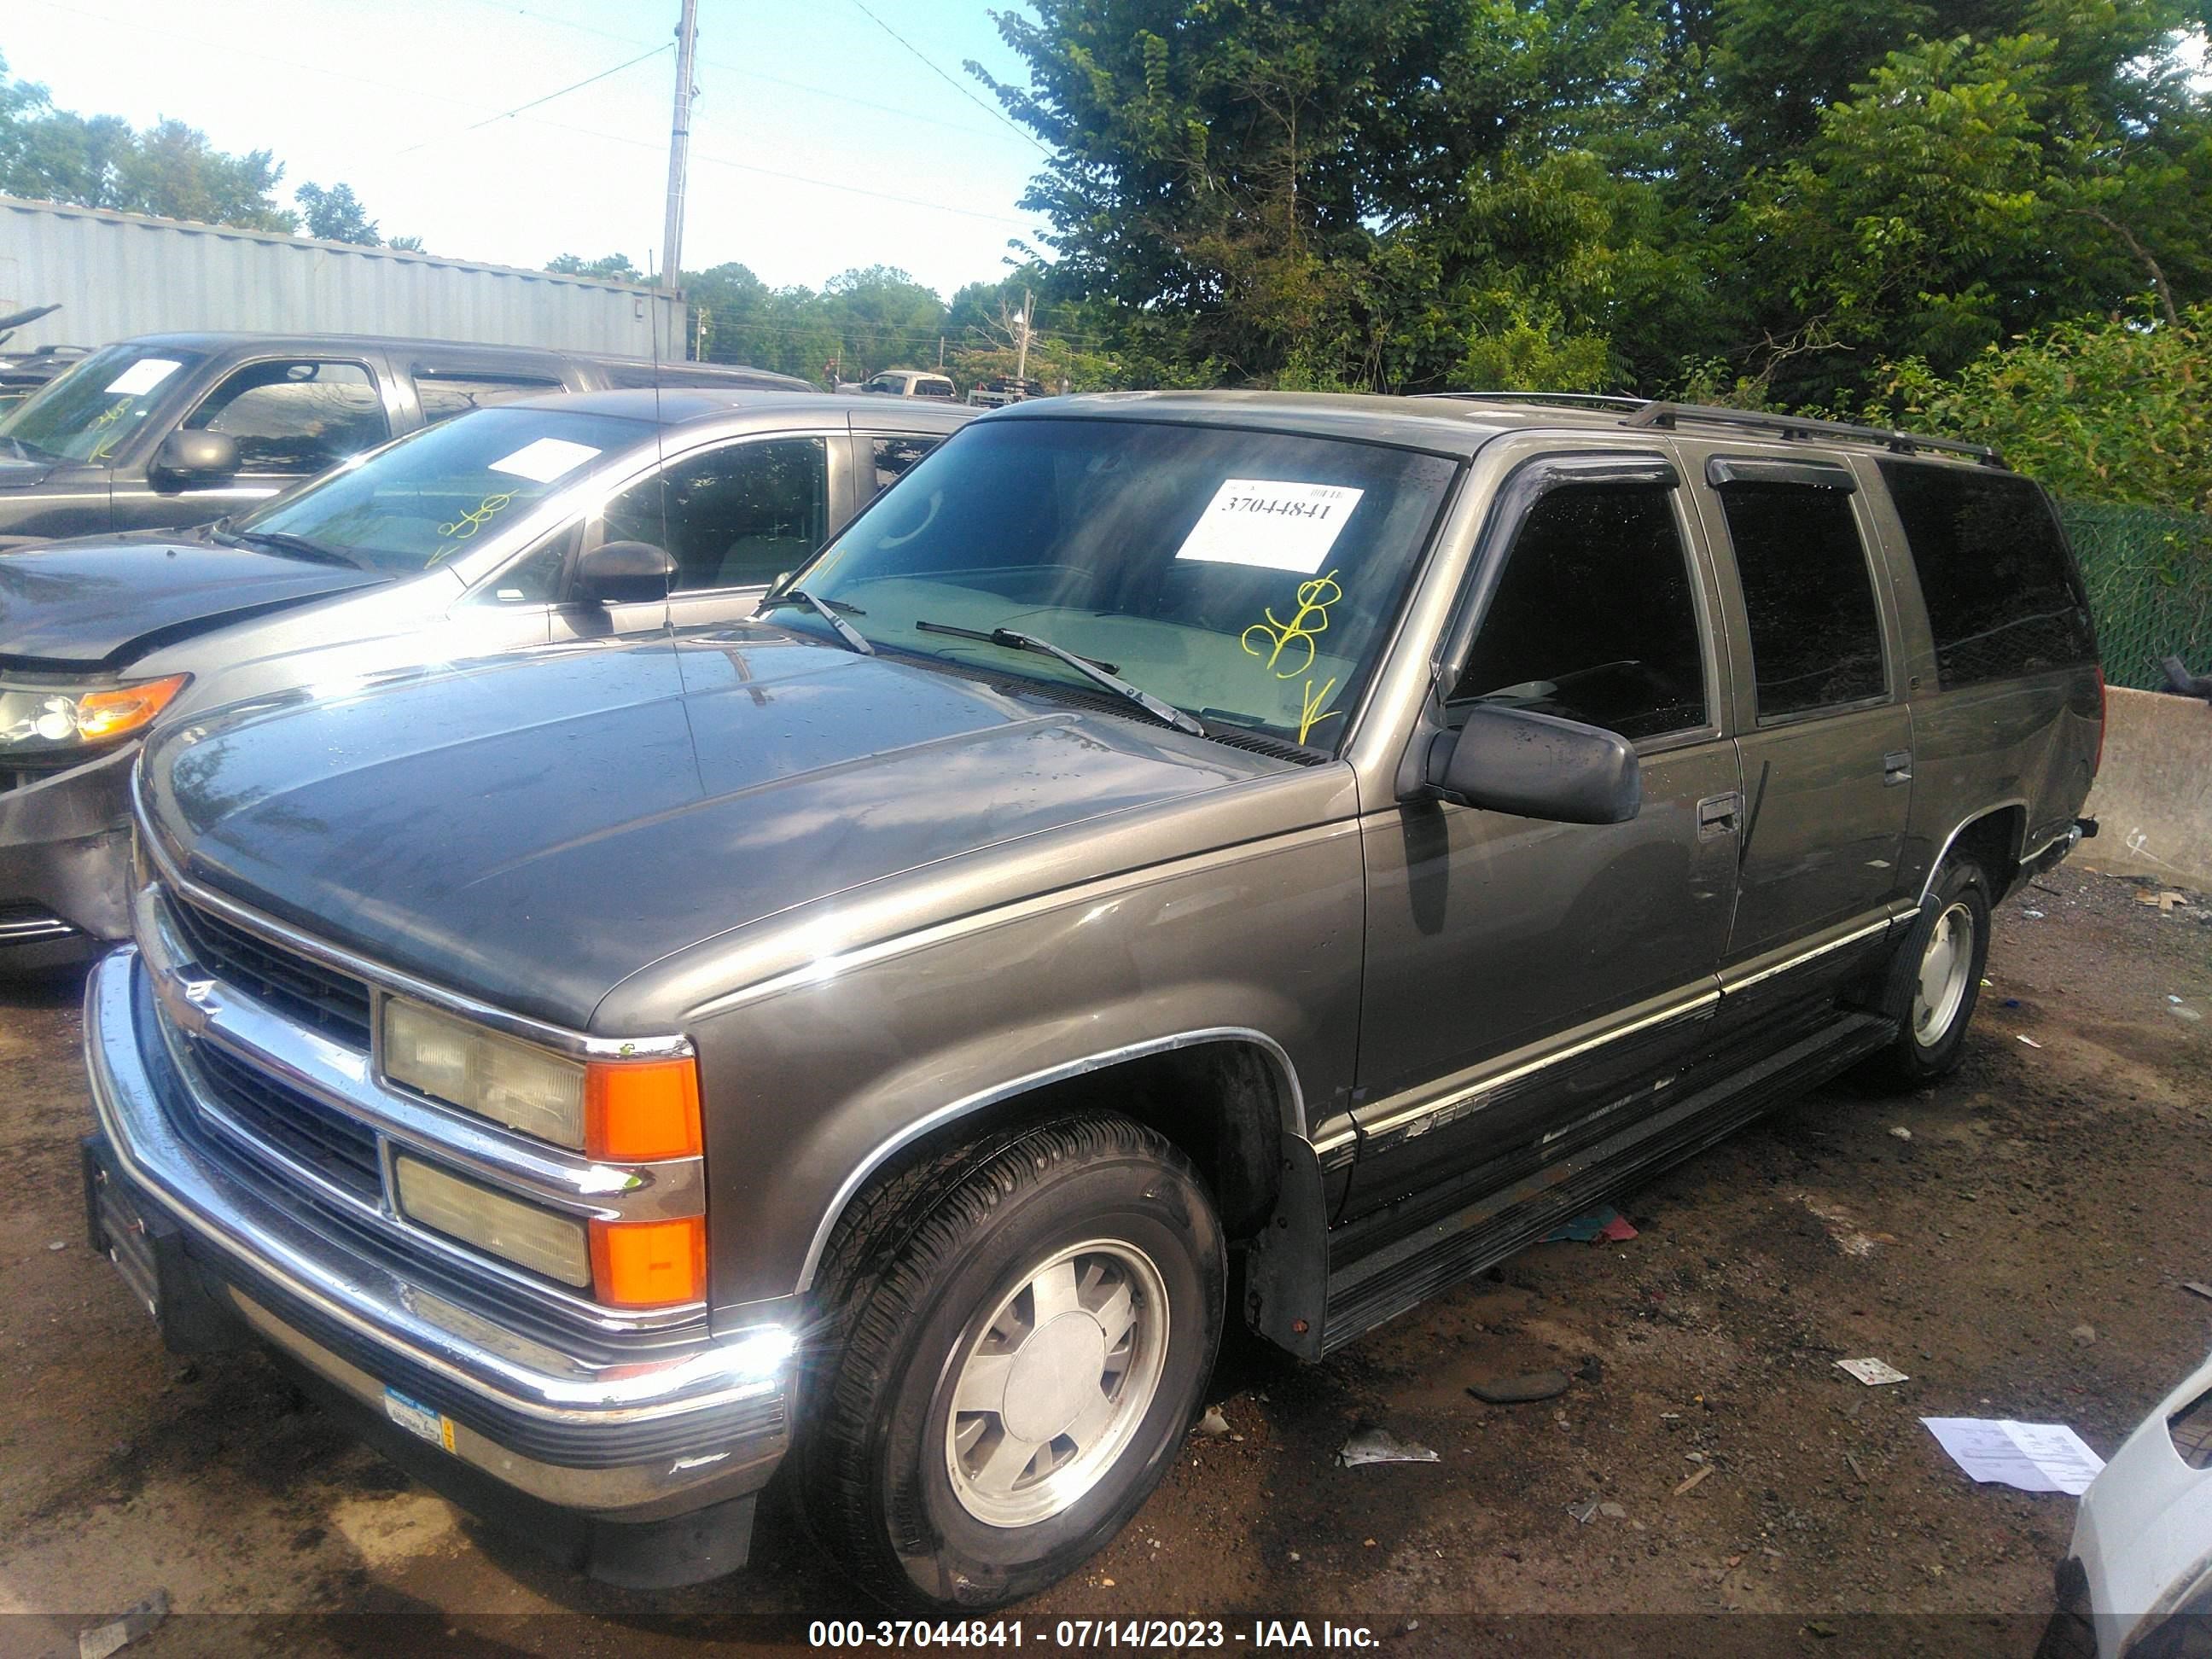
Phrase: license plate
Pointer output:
(419, 1419)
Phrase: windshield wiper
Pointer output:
(1094, 673)
(825, 609)
(283, 541)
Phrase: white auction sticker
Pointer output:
(544, 460)
(1271, 525)
(143, 376)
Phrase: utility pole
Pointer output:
(679, 147)
(1022, 354)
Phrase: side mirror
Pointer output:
(195, 457)
(622, 573)
(1537, 766)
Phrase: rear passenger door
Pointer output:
(1822, 725)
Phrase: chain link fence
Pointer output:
(2149, 577)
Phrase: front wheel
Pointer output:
(1021, 1344)
(1935, 979)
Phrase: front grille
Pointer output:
(333, 1003)
(340, 1149)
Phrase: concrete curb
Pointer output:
(2153, 797)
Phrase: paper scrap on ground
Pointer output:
(1271, 525)
(544, 460)
(2032, 1456)
(1605, 1222)
(143, 376)
(1381, 1446)
(1873, 1372)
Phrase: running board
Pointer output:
(1384, 1283)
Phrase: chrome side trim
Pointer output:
(1827, 947)
(1396, 1120)
(905, 1136)
(35, 930)
(560, 1038)
(1936, 866)
(232, 1224)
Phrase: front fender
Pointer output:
(817, 1082)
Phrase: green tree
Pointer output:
(336, 215)
(2107, 410)
(169, 169)
(615, 267)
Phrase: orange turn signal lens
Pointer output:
(104, 714)
(649, 1264)
(637, 1110)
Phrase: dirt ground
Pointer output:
(2014, 1240)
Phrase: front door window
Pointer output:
(734, 517)
(295, 418)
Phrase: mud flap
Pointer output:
(1286, 1269)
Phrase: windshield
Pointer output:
(1249, 577)
(420, 502)
(88, 411)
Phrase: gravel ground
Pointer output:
(2014, 1240)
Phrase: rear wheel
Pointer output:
(1024, 1333)
(1935, 980)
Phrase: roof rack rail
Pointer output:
(1667, 415)
(1572, 399)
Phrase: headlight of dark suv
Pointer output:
(56, 721)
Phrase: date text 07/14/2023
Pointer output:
(1177, 1635)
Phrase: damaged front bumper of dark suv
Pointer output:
(635, 1454)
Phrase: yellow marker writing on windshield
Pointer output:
(1312, 706)
(473, 520)
(114, 412)
(1311, 618)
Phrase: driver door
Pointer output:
(733, 518)
(1527, 980)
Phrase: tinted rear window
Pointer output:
(2000, 591)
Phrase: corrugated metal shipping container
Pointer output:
(119, 274)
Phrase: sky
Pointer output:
(818, 143)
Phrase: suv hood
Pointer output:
(95, 605)
(534, 829)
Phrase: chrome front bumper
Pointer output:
(645, 1440)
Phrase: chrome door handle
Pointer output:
(1897, 767)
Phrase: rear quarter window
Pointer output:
(2002, 594)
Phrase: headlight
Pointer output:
(38, 720)
(462, 1064)
(626, 1110)
(558, 1246)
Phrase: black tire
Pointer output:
(1919, 1055)
(913, 1279)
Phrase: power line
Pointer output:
(573, 86)
(753, 74)
(998, 115)
(419, 91)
